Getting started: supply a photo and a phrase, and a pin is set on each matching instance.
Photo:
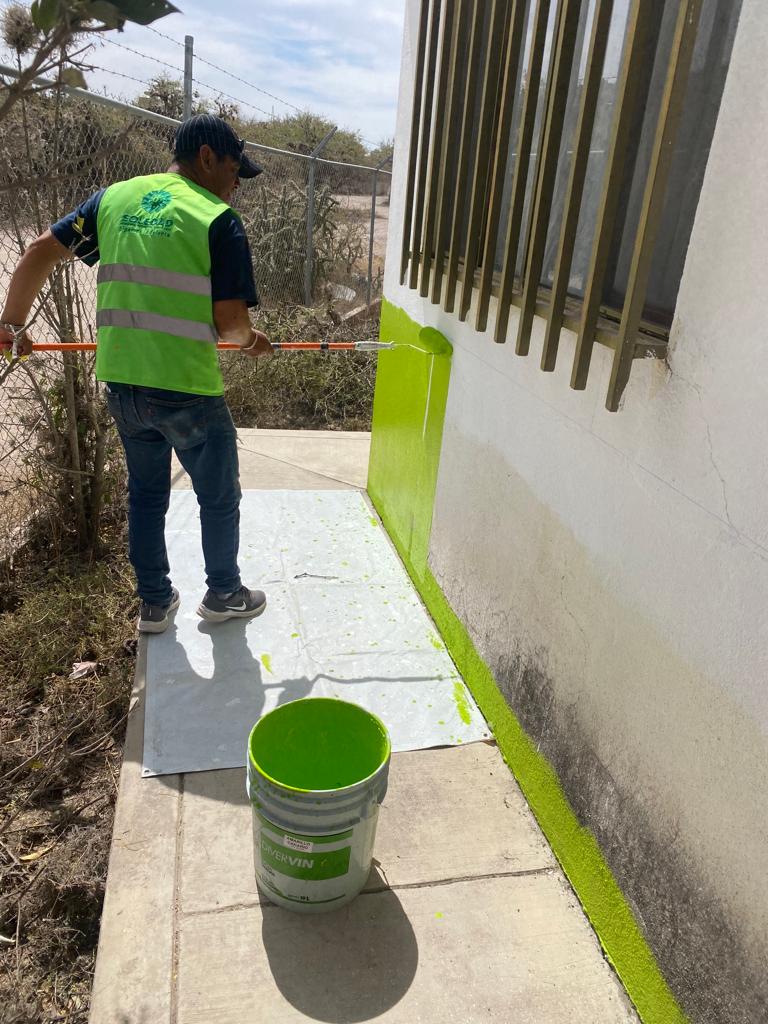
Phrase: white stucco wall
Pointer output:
(623, 557)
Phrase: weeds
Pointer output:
(60, 753)
(307, 390)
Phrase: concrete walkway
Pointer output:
(466, 916)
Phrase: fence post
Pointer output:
(188, 54)
(373, 223)
(311, 215)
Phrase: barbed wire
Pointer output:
(139, 53)
(224, 71)
(219, 92)
(250, 85)
(206, 85)
(120, 74)
(178, 71)
(164, 36)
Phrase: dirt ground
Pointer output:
(380, 224)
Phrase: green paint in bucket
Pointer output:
(317, 772)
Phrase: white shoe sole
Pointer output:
(162, 625)
(153, 627)
(212, 616)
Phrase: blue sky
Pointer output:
(340, 58)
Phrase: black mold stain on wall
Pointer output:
(715, 980)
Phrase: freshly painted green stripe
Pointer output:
(404, 495)
(407, 431)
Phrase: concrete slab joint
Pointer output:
(466, 916)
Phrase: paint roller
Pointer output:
(430, 342)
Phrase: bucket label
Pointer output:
(314, 867)
(297, 844)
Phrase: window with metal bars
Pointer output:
(556, 157)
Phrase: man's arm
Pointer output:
(31, 273)
(233, 289)
(233, 325)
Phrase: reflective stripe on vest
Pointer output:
(131, 272)
(156, 322)
(154, 302)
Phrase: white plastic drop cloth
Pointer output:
(342, 620)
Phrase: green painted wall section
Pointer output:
(408, 416)
(401, 483)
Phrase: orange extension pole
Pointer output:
(280, 346)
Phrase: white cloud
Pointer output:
(340, 58)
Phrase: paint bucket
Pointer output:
(317, 772)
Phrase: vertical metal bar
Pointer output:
(520, 176)
(188, 58)
(499, 18)
(426, 129)
(512, 60)
(672, 100)
(572, 204)
(567, 23)
(446, 201)
(436, 173)
(465, 148)
(378, 167)
(639, 27)
(310, 257)
(418, 87)
(370, 235)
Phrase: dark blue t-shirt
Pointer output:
(231, 264)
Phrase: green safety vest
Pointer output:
(154, 313)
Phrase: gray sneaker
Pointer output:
(153, 618)
(243, 604)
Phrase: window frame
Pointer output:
(434, 258)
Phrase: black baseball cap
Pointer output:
(207, 129)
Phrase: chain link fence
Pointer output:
(317, 231)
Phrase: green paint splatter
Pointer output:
(373, 520)
(441, 722)
(294, 635)
(462, 704)
(436, 643)
(438, 915)
(266, 661)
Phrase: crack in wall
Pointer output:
(710, 448)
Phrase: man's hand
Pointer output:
(23, 343)
(258, 345)
(39, 259)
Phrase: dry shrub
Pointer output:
(60, 753)
(304, 390)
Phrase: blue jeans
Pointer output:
(200, 430)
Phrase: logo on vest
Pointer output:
(153, 224)
(154, 202)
